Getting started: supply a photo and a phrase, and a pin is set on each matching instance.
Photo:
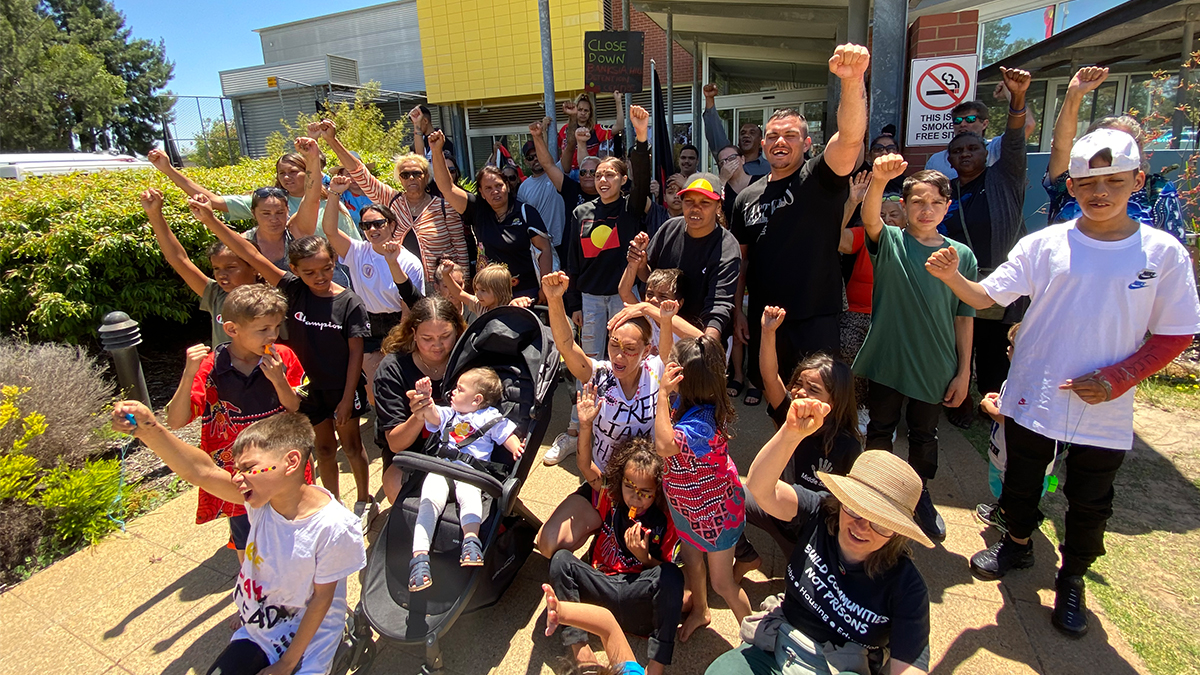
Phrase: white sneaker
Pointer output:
(563, 447)
(366, 512)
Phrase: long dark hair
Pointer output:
(401, 338)
(703, 361)
(307, 247)
(843, 408)
(639, 451)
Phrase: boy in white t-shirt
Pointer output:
(1096, 285)
(472, 426)
(291, 589)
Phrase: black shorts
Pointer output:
(239, 531)
(321, 404)
(381, 324)
(240, 657)
(589, 494)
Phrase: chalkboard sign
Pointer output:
(613, 60)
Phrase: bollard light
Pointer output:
(120, 337)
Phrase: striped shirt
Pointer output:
(439, 228)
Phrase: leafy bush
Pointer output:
(85, 504)
(73, 248)
(217, 144)
(360, 128)
(66, 388)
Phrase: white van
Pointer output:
(23, 165)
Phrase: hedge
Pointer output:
(73, 248)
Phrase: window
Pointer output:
(1007, 36)
(1035, 102)
(1151, 100)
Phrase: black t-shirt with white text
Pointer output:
(396, 376)
(319, 329)
(710, 267)
(509, 241)
(792, 228)
(830, 600)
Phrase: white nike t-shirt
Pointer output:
(373, 278)
(1092, 303)
(284, 559)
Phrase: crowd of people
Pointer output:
(845, 289)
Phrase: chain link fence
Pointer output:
(200, 130)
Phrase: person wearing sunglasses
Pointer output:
(438, 229)
(574, 192)
(856, 601)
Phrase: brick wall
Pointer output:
(655, 47)
(939, 35)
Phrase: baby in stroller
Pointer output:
(468, 430)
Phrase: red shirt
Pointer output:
(862, 279)
(227, 402)
(599, 135)
(610, 554)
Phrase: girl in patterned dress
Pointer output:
(703, 490)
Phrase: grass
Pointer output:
(1148, 584)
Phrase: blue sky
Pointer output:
(214, 35)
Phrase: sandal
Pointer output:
(753, 397)
(734, 387)
(472, 552)
(418, 573)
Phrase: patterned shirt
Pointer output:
(227, 401)
(1156, 205)
(708, 503)
(610, 554)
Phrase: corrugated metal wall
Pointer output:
(342, 70)
(254, 79)
(385, 40)
(259, 115)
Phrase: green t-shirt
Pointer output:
(239, 209)
(213, 302)
(910, 346)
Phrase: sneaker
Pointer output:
(928, 518)
(563, 447)
(1001, 557)
(1070, 610)
(990, 515)
(366, 512)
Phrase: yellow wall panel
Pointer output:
(478, 49)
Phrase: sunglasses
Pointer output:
(264, 192)
(610, 175)
(879, 529)
(642, 493)
(409, 175)
(530, 158)
(892, 198)
(969, 119)
(372, 224)
(587, 172)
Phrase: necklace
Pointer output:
(419, 207)
(433, 373)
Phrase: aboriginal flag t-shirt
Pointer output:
(602, 234)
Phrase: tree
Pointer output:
(996, 42)
(97, 26)
(49, 90)
(360, 128)
(217, 144)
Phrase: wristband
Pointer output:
(1018, 112)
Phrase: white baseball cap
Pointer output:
(1124, 149)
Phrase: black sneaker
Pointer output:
(1070, 610)
(928, 518)
(990, 515)
(1001, 557)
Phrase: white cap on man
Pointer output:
(1122, 147)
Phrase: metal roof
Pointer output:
(1138, 35)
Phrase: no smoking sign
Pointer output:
(936, 86)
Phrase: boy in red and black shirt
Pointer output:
(248, 379)
(631, 571)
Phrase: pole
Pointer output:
(207, 146)
(628, 130)
(671, 73)
(888, 59)
(548, 74)
(697, 136)
(228, 140)
(282, 110)
(1185, 55)
(120, 337)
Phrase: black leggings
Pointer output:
(241, 657)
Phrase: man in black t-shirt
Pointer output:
(789, 226)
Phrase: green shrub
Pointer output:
(73, 248)
(84, 504)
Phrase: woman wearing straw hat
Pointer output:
(854, 602)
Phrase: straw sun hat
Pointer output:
(882, 488)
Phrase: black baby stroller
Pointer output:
(520, 349)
